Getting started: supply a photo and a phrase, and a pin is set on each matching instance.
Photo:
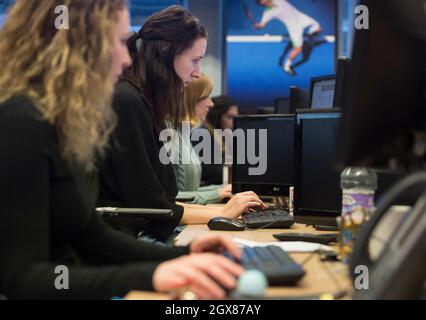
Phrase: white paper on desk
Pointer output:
(288, 246)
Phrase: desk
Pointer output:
(321, 277)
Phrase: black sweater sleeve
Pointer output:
(133, 167)
(30, 245)
(106, 245)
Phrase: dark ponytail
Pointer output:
(134, 53)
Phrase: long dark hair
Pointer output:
(153, 49)
(222, 104)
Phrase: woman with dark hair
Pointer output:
(166, 55)
(55, 115)
(222, 114)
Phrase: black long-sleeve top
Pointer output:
(46, 220)
(132, 174)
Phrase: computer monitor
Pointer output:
(266, 110)
(317, 193)
(299, 99)
(279, 152)
(322, 92)
(343, 65)
(386, 99)
(282, 105)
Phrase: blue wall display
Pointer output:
(256, 58)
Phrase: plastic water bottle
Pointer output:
(358, 187)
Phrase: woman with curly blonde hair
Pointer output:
(55, 116)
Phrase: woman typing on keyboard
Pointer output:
(137, 172)
(55, 115)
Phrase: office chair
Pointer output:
(128, 220)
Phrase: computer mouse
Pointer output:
(225, 224)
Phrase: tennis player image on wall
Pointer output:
(275, 44)
(296, 23)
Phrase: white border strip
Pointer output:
(267, 39)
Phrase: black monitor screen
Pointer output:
(278, 154)
(299, 99)
(282, 105)
(384, 92)
(342, 86)
(318, 188)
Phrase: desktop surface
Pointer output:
(317, 279)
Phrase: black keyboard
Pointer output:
(274, 263)
(320, 227)
(269, 218)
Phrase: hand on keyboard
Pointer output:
(242, 202)
(269, 218)
(215, 243)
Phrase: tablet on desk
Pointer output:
(133, 213)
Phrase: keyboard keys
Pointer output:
(269, 218)
(274, 262)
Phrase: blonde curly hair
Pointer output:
(66, 73)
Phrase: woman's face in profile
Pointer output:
(227, 120)
(120, 54)
(188, 63)
(203, 107)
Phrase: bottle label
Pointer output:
(357, 205)
(354, 201)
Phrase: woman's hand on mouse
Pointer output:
(215, 243)
(241, 203)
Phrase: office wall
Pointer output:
(211, 14)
